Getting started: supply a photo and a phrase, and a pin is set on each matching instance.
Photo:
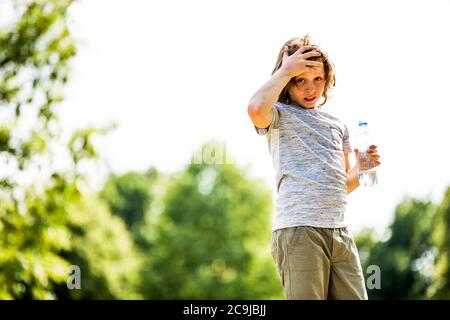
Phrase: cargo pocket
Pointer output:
(277, 254)
(296, 237)
(274, 246)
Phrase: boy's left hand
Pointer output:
(372, 152)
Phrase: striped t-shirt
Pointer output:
(307, 148)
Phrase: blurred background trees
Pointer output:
(414, 259)
(406, 257)
(34, 55)
(440, 288)
(201, 233)
(47, 219)
(211, 238)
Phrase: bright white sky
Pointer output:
(174, 74)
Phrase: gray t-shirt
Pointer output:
(307, 148)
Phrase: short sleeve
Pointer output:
(274, 125)
(346, 141)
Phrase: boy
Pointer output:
(313, 250)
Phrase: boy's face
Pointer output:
(308, 88)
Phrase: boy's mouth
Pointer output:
(310, 99)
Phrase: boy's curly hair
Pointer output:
(294, 44)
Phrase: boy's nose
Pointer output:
(309, 85)
(309, 88)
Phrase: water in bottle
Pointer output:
(367, 174)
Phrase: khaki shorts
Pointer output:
(318, 263)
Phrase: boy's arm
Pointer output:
(260, 105)
(352, 175)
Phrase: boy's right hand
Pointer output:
(297, 63)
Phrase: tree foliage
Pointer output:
(406, 257)
(441, 284)
(202, 233)
(211, 239)
(104, 251)
(129, 195)
(34, 54)
(41, 232)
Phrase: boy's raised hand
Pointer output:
(297, 63)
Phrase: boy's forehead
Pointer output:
(313, 73)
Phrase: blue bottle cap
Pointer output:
(362, 123)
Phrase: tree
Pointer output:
(406, 258)
(103, 250)
(212, 237)
(129, 195)
(34, 56)
(441, 283)
(46, 221)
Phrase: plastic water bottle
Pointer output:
(367, 174)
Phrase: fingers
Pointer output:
(314, 65)
(372, 149)
(306, 48)
(373, 153)
(285, 52)
(299, 58)
(311, 54)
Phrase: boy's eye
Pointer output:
(299, 81)
(319, 78)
